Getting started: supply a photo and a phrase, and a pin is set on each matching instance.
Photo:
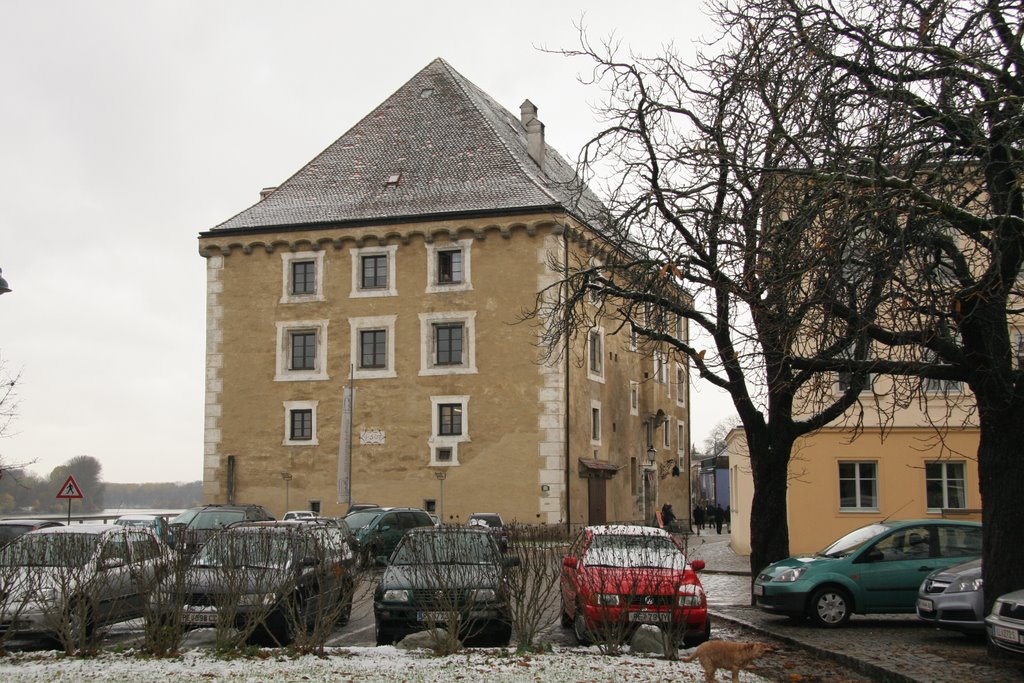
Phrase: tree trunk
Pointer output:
(769, 525)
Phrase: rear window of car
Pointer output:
(491, 520)
(215, 519)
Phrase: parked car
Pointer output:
(440, 574)
(617, 577)
(90, 574)
(1005, 623)
(493, 522)
(378, 530)
(953, 598)
(875, 569)
(273, 576)
(158, 524)
(191, 529)
(11, 529)
(355, 507)
(299, 514)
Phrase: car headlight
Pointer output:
(790, 575)
(396, 595)
(607, 599)
(964, 585)
(690, 595)
(482, 595)
(253, 599)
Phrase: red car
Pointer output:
(617, 577)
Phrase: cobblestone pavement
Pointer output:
(895, 648)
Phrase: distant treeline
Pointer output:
(156, 495)
(22, 491)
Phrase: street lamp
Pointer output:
(441, 474)
(3, 283)
(652, 453)
(287, 476)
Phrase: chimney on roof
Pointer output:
(534, 131)
(266, 192)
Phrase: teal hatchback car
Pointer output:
(875, 569)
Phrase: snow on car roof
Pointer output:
(626, 530)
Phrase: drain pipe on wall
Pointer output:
(565, 316)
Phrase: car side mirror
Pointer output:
(697, 565)
(385, 527)
(381, 560)
(569, 562)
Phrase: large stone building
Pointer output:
(366, 334)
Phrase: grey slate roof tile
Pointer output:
(457, 150)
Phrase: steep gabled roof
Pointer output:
(446, 147)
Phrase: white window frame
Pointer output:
(634, 398)
(391, 251)
(284, 330)
(435, 287)
(289, 406)
(946, 479)
(427, 349)
(598, 374)
(287, 258)
(595, 423)
(860, 507)
(681, 436)
(437, 441)
(666, 436)
(376, 322)
(938, 386)
(682, 383)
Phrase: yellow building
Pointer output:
(365, 332)
(918, 465)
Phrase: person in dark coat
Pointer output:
(667, 517)
(719, 517)
(698, 517)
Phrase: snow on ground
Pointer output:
(369, 664)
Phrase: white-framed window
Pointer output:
(300, 423)
(660, 368)
(373, 346)
(945, 485)
(373, 271)
(681, 385)
(448, 343)
(302, 277)
(843, 379)
(858, 486)
(301, 350)
(449, 427)
(634, 398)
(449, 266)
(595, 354)
(680, 436)
(938, 386)
(595, 423)
(666, 435)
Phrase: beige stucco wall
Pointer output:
(514, 458)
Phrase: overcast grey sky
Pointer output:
(130, 126)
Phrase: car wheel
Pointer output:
(385, 636)
(502, 635)
(830, 607)
(698, 638)
(579, 628)
(566, 619)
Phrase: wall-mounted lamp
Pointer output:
(651, 455)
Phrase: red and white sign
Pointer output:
(70, 489)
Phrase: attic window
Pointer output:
(426, 92)
(393, 180)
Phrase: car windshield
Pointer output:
(854, 540)
(357, 520)
(489, 520)
(185, 517)
(251, 549)
(216, 519)
(50, 550)
(451, 547)
(634, 551)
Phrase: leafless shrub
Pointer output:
(533, 584)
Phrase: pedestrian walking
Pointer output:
(668, 517)
(698, 517)
(709, 515)
(719, 517)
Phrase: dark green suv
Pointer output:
(191, 529)
(378, 530)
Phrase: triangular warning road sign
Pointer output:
(70, 489)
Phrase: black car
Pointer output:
(444, 577)
(267, 578)
(191, 529)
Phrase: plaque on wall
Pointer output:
(371, 437)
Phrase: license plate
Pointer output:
(925, 605)
(650, 617)
(758, 589)
(1007, 634)
(199, 617)
(433, 617)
